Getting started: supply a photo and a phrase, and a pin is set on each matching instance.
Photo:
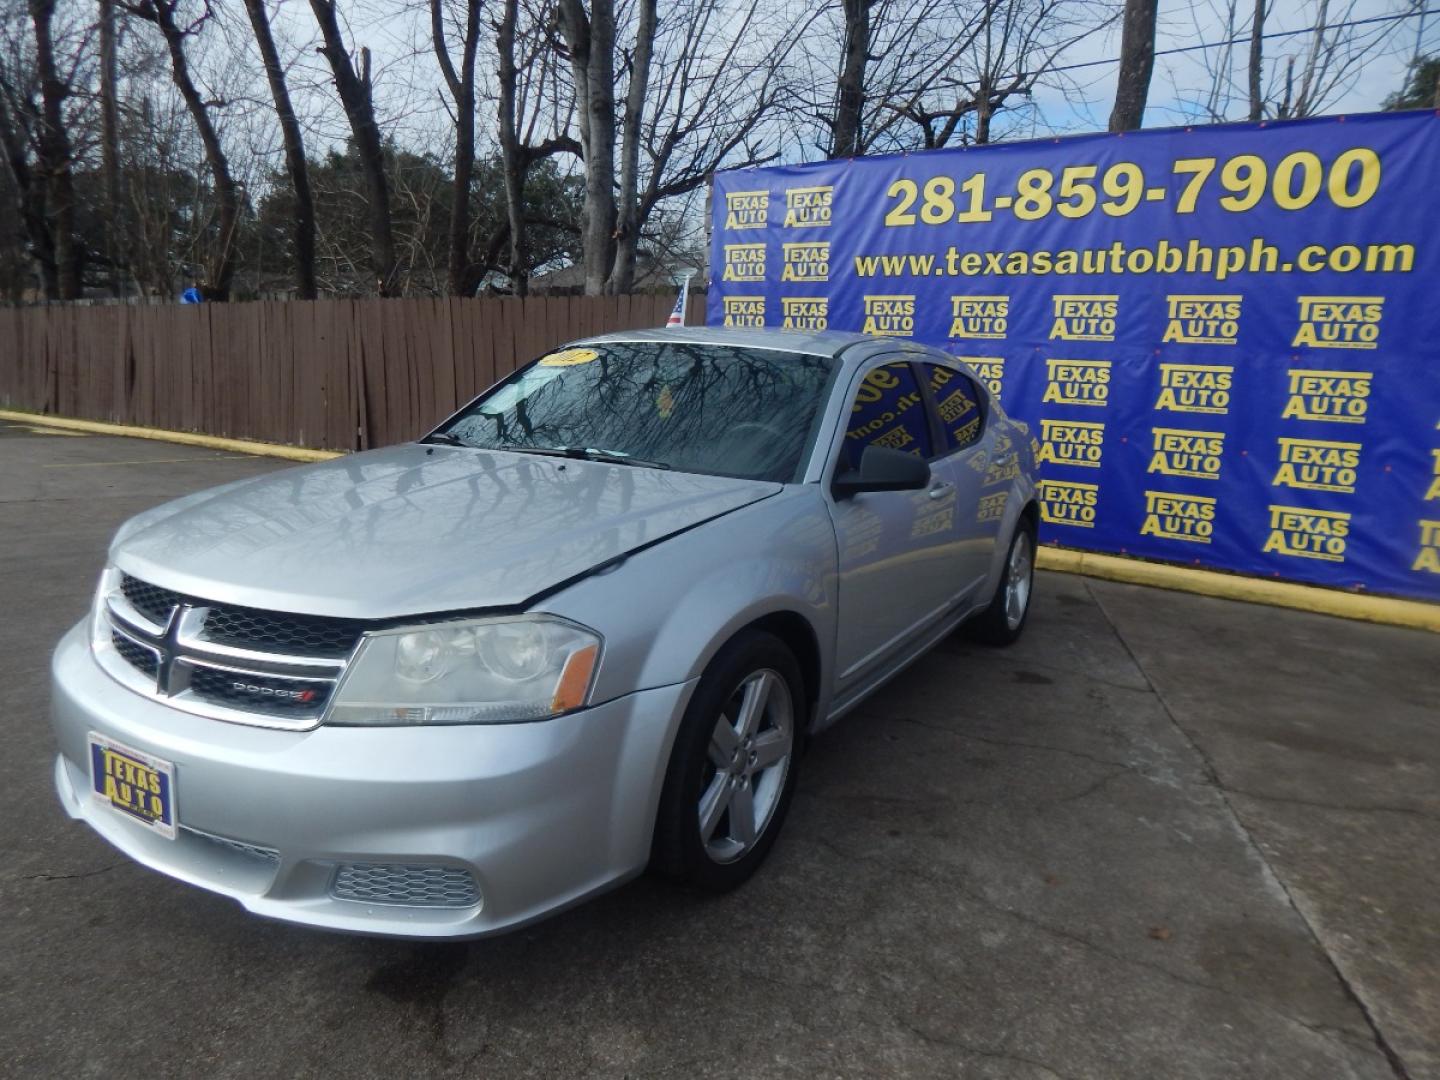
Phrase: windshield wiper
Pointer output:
(585, 453)
(544, 451)
(612, 457)
(445, 438)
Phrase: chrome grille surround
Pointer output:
(405, 886)
(259, 686)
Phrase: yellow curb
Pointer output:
(210, 442)
(1413, 614)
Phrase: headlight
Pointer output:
(472, 671)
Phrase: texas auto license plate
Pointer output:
(135, 784)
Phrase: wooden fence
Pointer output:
(329, 374)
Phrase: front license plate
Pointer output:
(135, 784)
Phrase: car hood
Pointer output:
(415, 529)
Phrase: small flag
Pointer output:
(677, 314)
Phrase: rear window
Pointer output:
(957, 401)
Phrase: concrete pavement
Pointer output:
(1163, 836)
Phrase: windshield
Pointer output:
(715, 409)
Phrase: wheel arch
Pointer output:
(1031, 512)
(798, 635)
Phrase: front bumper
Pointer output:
(541, 814)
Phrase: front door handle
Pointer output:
(939, 491)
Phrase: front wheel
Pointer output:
(1004, 620)
(733, 767)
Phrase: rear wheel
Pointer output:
(732, 769)
(1004, 620)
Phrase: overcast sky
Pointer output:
(1180, 80)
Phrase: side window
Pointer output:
(888, 411)
(957, 400)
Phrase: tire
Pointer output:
(758, 774)
(1004, 620)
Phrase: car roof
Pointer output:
(848, 349)
(814, 343)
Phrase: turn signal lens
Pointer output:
(574, 685)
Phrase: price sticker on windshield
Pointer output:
(569, 358)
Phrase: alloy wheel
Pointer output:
(1018, 576)
(746, 765)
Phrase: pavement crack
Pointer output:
(1348, 808)
(1096, 786)
(74, 877)
(1396, 1063)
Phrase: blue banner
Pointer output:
(1224, 340)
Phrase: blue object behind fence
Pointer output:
(1225, 340)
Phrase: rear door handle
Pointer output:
(939, 491)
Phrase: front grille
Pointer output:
(414, 886)
(153, 602)
(141, 657)
(238, 690)
(284, 677)
(276, 631)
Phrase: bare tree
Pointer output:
(698, 89)
(931, 72)
(1322, 64)
(17, 120)
(1255, 64)
(1137, 63)
(627, 217)
(1333, 61)
(534, 115)
(512, 159)
(590, 47)
(295, 164)
(1016, 47)
(55, 153)
(462, 278)
(110, 147)
(220, 267)
(878, 59)
(356, 96)
(716, 87)
(850, 86)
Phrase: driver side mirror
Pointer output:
(882, 469)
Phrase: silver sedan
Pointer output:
(583, 627)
